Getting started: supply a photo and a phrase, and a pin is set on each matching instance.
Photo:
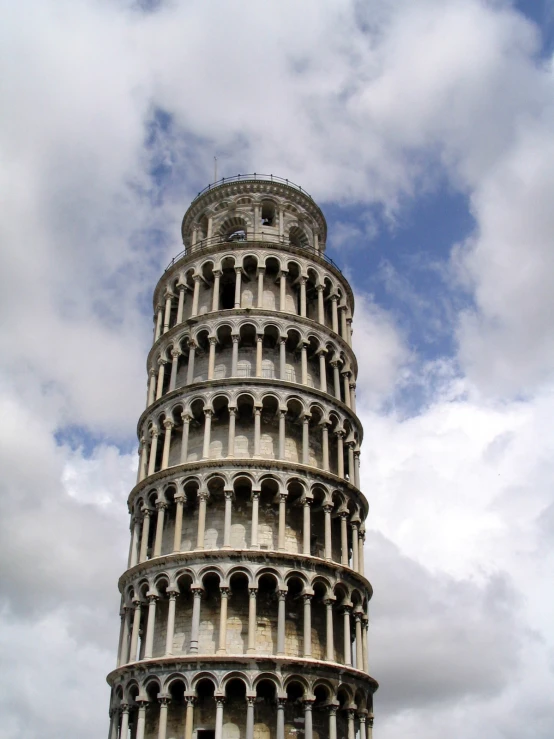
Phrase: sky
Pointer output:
(423, 128)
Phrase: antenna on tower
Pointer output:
(215, 169)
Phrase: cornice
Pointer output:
(260, 663)
(252, 313)
(258, 464)
(262, 557)
(244, 382)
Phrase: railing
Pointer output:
(254, 176)
(205, 245)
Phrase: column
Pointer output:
(352, 396)
(175, 354)
(347, 640)
(167, 316)
(351, 727)
(185, 437)
(219, 717)
(343, 538)
(325, 446)
(355, 547)
(281, 718)
(190, 366)
(282, 417)
(159, 323)
(170, 622)
(362, 719)
(340, 454)
(334, 314)
(215, 290)
(161, 373)
(203, 497)
(307, 625)
(222, 648)
(306, 503)
(327, 510)
(282, 520)
(238, 286)
(350, 448)
(161, 507)
(252, 621)
(281, 624)
(343, 329)
(282, 358)
(168, 426)
(152, 386)
(306, 439)
(181, 304)
(124, 650)
(145, 534)
(361, 539)
(124, 732)
(320, 306)
(114, 723)
(357, 468)
(232, 423)
(227, 519)
(189, 718)
(135, 631)
(336, 379)
(255, 510)
(283, 291)
(322, 370)
(250, 700)
(332, 722)
(329, 645)
(162, 723)
(195, 625)
(308, 726)
(207, 431)
(143, 460)
(261, 271)
(179, 503)
(210, 228)
(359, 650)
(346, 387)
(257, 431)
(211, 357)
(150, 626)
(349, 330)
(303, 281)
(135, 541)
(259, 349)
(235, 354)
(195, 295)
(365, 655)
(304, 363)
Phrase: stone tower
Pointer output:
(244, 604)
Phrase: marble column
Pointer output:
(329, 630)
(185, 437)
(168, 426)
(170, 631)
(231, 439)
(227, 518)
(320, 305)
(261, 271)
(238, 287)
(307, 528)
(208, 413)
(180, 499)
(307, 646)
(215, 290)
(327, 510)
(281, 623)
(255, 512)
(175, 354)
(195, 622)
(282, 521)
(251, 649)
(203, 496)
(161, 507)
(152, 600)
(222, 647)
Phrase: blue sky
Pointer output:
(424, 130)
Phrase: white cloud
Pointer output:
(361, 103)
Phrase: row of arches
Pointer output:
(242, 425)
(234, 512)
(252, 349)
(234, 705)
(241, 279)
(237, 611)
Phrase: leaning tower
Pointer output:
(244, 603)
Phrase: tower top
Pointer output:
(226, 210)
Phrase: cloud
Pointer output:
(115, 111)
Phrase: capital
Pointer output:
(186, 417)
(168, 424)
(176, 353)
(212, 340)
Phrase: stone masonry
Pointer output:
(244, 603)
